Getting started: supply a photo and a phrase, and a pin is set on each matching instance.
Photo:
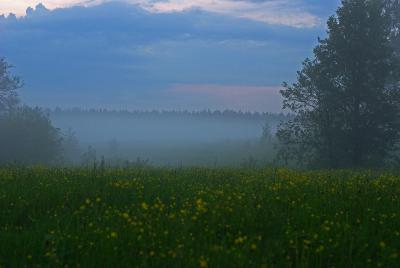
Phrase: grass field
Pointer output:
(157, 217)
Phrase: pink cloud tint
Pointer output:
(280, 12)
(245, 98)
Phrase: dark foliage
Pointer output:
(8, 87)
(347, 98)
(28, 137)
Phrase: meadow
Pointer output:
(198, 217)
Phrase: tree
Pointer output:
(28, 137)
(89, 157)
(346, 100)
(392, 7)
(266, 135)
(71, 148)
(9, 85)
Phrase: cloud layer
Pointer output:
(281, 12)
(121, 55)
(294, 13)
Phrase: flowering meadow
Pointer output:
(198, 217)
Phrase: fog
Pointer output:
(168, 138)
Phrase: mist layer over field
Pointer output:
(169, 138)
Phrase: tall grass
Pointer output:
(197, 217)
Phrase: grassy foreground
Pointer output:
(151, 217)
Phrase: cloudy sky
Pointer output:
(159, 54)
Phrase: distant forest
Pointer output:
(205, 114)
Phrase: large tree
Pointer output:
(346, 99)
(27, 135)
(9, 85)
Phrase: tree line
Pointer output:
(202, 114)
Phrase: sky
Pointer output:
(159, 54)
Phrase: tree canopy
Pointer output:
(346, 99)
(9, 85)
(27, 135)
